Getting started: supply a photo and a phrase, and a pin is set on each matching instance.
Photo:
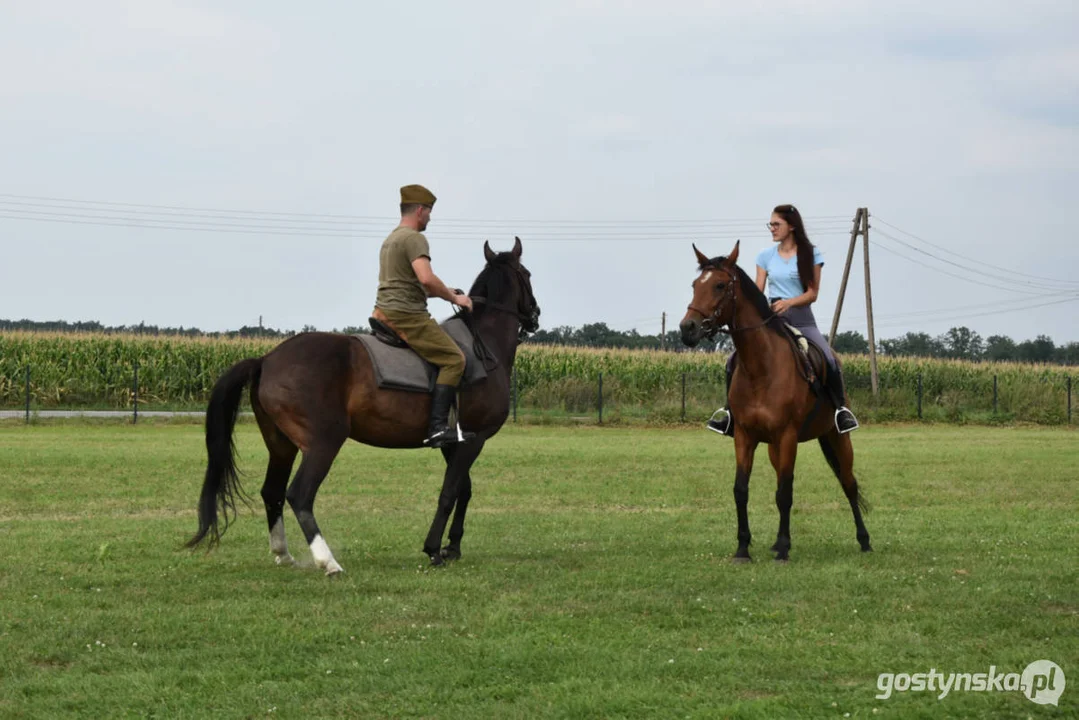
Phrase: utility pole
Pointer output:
(869, 302)
(855, 230)
(663, 333)
(860, 226)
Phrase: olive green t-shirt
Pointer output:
(398, 287)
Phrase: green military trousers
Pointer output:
(430, 342)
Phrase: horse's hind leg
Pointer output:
(282, 456)
(316, 463)
(840, 455)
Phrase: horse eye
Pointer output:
(720, 286)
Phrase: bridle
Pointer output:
(526, 312)
(711, 323)
(527, 317)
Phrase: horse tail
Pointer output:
(833, 462)
(222, 484)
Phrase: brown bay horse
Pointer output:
(316, 390)
(770, 399)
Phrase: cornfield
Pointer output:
(98, 372)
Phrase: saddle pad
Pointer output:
(402, 369)
(811, 354)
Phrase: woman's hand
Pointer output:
(781, 306)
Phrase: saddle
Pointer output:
(399, 367)
(811, 359)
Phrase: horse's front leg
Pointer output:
(783, 455)
(744, 448)
(463, 463)
(459, 458)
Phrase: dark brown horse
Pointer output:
(316, 390)
(770, 399)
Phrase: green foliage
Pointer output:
(97, 371)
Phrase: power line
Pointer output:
(950, 274)
(973, 260)
(1004, 279)
(954, 318)
(1003, 305)
(58, 203)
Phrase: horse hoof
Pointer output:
(867, 548)
(740, 560)
(285, 559)
(436, 560)
(450, 554)
(782, 560)
(334, 570)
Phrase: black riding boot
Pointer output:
(439, 431)
(844, 418)
(724, 424)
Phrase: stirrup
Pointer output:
(846, 413)
(722, 425)
(448, 435)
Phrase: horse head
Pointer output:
(506, 284)
(714, 293)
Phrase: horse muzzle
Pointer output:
(691, 332)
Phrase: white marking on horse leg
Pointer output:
(323, 557)
(278, 545)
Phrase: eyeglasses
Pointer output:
(772, 226)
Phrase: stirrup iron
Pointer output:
(850, 414)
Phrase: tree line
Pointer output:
(959, 343)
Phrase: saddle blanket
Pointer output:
(402, 369)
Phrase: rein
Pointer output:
(711, 324)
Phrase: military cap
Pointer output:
(417, 194)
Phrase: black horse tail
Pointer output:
(833, 462)
(222, 485)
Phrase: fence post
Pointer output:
(919, 396)
(601, 398)
(994, 394)
(135, 418)
(27, 394)
(683, 397)
(514, 394)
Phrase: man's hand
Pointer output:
(463, 300)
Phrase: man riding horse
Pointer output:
(405, 281)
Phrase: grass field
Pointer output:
(595, 581)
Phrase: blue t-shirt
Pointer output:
(783, 280)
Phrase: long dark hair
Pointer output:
(805, 248)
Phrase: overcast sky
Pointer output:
(608, 135)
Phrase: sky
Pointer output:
(210, 164)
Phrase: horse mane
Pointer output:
(750, 291)
(494, 282)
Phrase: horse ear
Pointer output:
(488, 252)
(702, 259)
(733, 257)
(517, 247)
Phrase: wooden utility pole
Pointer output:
(663, 332)
(855, 230)
(869, 302)
(860, 226)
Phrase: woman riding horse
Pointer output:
(792, 269)
(770, 398)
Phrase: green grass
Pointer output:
(595, 581)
